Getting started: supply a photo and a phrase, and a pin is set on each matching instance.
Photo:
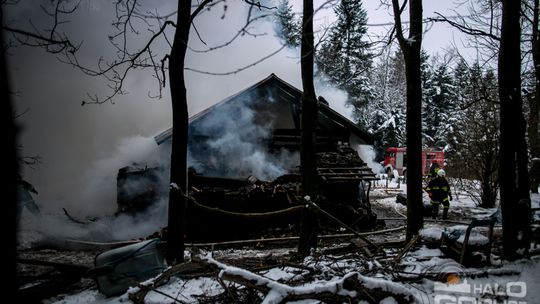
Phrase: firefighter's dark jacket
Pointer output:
(439, 190)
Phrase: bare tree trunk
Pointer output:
(9, 178)
(308, 162)
(513, 175)
(178, 190)
(534, 104)
(411, 48)
(489, 192)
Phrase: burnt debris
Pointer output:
(244, 153)
(239, 208)
(138, 188)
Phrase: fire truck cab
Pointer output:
(396, 159)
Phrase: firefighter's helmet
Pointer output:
(441, 173)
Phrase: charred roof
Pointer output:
(277, 104)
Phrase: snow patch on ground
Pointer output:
(431, 233)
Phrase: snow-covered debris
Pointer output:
(475, 238)
(431, 233)
(388, 300)
(276, 292)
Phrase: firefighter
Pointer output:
(439, 193)
(433, 168)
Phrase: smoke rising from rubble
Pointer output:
(99, 194)
(97, 201)
(368, 155)
(70, 138)
(337, 99)
(238, 144)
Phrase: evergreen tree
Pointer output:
(475, 155)
(384, 115)
(289, 27)
(439, 106)
(344, 58)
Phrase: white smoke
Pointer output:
(97, 200)
(337, 99)
(57, 229)
(98, 197)
(368, 155)
(239, 144)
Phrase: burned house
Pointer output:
(257, 132)
(243, 154)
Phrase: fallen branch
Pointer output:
(425, 220)
(406, 248)
(71, 218)
(138, 294)
(351, 286)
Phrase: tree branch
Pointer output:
(239, 69)
(465, 29)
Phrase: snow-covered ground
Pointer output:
(425, 273)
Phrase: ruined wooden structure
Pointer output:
(243, 155)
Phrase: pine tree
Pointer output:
(475, 154)
(384, 115)
(441, 101)
(344, 57)
(289, 27)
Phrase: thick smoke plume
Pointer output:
(337, 100)
(94, 218)
(238, 143)
(368, 155)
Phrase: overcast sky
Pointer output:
(82, 147)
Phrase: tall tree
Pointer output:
(53, 41)
(344, 57)
(411, 48)
(178, 189)
(309, 116)
(289, 28)
(9, 174)
(533, 131)
(385, 113)
(438, 105)
(513, 171)
(475, 143)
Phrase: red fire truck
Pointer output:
(396, 159)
